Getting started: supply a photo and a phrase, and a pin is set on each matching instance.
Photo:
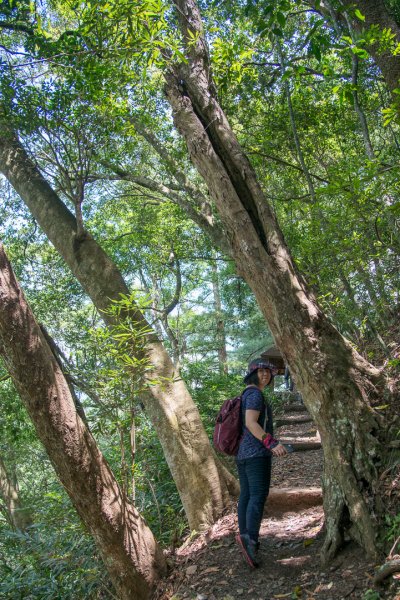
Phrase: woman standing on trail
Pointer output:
(254, 458)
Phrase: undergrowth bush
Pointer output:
(53, 559)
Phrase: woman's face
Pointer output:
(264, 377)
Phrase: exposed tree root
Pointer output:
(302, 444)
(392, 566)
(293, 499)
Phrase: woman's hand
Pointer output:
(279, 450)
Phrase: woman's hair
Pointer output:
(252, 379)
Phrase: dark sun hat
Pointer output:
(259, 363)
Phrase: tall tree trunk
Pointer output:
(335, 381)
(18, 515)
(133, 559)
(203, 483)
(220, 324)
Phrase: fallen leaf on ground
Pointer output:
(211, 570)
(322, 587)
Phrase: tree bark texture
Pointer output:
(334, 380)
(376, 13)
(133, 559)
(18, 515)
(204, 485)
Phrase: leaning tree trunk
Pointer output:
(204, 485)
(133, 559)
(335, 381)
(18, 515)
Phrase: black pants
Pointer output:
(254, 478)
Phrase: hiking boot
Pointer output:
(249, 549)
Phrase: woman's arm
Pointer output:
(252, 424)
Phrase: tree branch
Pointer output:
(203, 218)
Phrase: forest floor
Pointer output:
(211, 566)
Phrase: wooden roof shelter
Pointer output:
(273, 356)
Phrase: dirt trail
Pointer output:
(211, 567)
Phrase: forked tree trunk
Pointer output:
(133, 559)
(204, 485)
(335, 381)
(18, 515)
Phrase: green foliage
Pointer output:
(15, 426)
(156, 495)
(55, 557)
(394, 8)
(393, 529)
(209, 389)
(75, 77)
(275, 398)
(391, 113)
(371, 595)
(46, 563)
(125, 342)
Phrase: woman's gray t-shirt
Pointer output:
(250, 446)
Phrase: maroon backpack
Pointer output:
(228, 427)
